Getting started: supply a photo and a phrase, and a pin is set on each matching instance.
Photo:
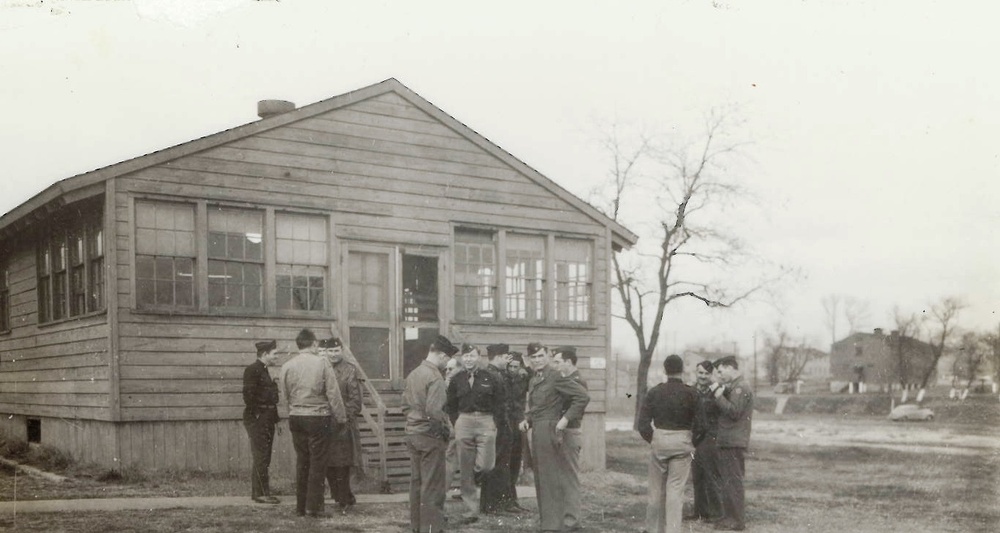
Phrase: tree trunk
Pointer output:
(641, 384)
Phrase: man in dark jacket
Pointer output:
(705, 469)
(666, 420)
(260, 395)
(476, 400)
(735, 401)
(564, 358)
(518, 394)
(495, 495)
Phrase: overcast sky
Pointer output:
(874, 124)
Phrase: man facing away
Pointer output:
(476, 399)
(345, 445)
(517, 392)
(547, 417)
(427, 432)
(735, 401)
(564, 359)
(313, 396)
(496, 492)
(666, 419)
(260, 395)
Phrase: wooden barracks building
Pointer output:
(130, 296)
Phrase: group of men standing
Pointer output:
(708, 424)
(323, 394)
(478, 412)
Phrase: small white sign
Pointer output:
(598, 362)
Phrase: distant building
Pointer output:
(878, 361)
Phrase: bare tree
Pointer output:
(775, 343)
(831, 314)
(992, 341)
(944, 314)
(680, 188)
(786, 360)
(973, 351)
(857, 313)
(907, 328)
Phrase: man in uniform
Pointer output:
(451, 453)
(314, 407)
(345, 446)
(705, 469)
(666, 419)
(548, 417)
(427, 432)
(475, 402)
(517, 392)
(495, 496)
(735, 401)
(260, 395)
(564, 358)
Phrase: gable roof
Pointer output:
(56, 194)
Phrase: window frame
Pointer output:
(549, 284)
(59, 232)
(269, 274)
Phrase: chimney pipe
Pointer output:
(270, 108)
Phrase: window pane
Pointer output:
(420, 291)
(370, 347)
(475, 274)
(368, 282)
(525, 276)
(573, 281)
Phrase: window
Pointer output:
(475, 274)
(573, 280)
(525, 279)
(165, 255)
(5, 299)
(301, 259)
(546, 279)
(199, 257)
(235, 258)
(70, 263)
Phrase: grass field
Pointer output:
(790, 488)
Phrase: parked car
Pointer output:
(910, 411)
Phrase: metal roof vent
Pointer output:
(270, 108)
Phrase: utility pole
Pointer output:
(755, 362)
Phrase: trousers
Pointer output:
(705, 477)
(427, 483)
(260, 430)
(476, 434)
(311, 439)
(731, 472)
(669, 467)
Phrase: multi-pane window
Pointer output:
(202, 257)
(5, 299)
(525, 277)
(165, 255)
(475, 274)
(70, 272)
(574, 283)
(235, 258)
(545, 278)
(367, 293)
(301, 259)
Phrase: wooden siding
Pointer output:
(56, 370)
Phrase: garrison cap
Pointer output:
(494, 350)
(444, 345)
(533, 348)
(332, 342)
(265, 346)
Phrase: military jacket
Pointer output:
(707, 421)
(552, 396)
(735, 413)
(486, 394)
(259, 390)
(567, 403)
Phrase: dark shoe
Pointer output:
(466, 520)
(727, 525)
(344, 509)
(266, 499)
(317, 514)
(689, 517)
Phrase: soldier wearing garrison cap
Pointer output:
(547, 417)
(497, 493)
(260, 396)
(345, 446)
(428, 429)
(735, 401)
